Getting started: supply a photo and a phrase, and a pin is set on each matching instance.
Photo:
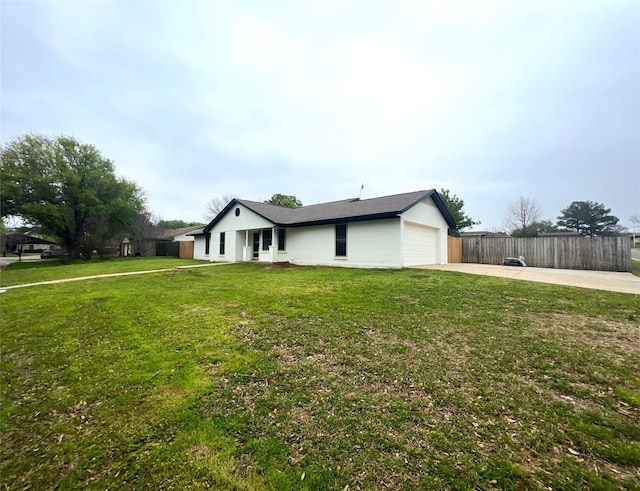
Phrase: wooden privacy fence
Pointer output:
(186, 249)
(167, 249)
(454, 249)
(599, 254)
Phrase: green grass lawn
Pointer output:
(53, 269)
(241, 377)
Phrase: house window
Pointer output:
(341, 239)
(267, 235)
(282, 237)
(207, 244)
(222, 243)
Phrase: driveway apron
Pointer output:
(597, 280)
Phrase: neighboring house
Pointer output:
(14, 241)
(169, 242)
(391, 232)
(634, 238)
(175, 234)
(160, 242)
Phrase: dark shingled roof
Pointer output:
(170, 233)
(347, 210)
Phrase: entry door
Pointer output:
(256, 245)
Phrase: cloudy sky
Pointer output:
(194, 99)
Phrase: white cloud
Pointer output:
(491, 99)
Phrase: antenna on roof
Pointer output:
(361, 188)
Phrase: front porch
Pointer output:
(267, 245)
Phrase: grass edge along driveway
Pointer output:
(243, 377)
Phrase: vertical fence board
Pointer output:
(599, 254)
(186, 249)
(454, 249)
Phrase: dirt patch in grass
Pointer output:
(620, 339)
(229, 305)
(201, 451)
(282, 266)
(301, 416)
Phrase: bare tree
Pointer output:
(216, 204)
(521, 214)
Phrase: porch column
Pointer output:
(273, 248)
(246, 249)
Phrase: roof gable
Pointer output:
(339, 211)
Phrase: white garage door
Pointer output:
(419, 245)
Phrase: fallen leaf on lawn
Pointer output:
(573, 452)
(304, 474)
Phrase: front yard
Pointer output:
(241, 377)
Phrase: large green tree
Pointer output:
(455, 206)
(68, 189)
(175, 224)
(588, 218)
(285, 200)
(544, 226)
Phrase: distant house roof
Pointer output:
(170, 233)
(21, 238)
(338, 211)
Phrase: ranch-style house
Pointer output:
(395, 231)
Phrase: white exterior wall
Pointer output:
(198, 248)
(247, 220)
(238, 244)
(183, 238)
(424, 235)
(230, 239)
(234, 227)
(371, 244)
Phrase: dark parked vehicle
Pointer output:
(52, 254)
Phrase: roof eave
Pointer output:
(331, 221)
(443, 209)
(437, 200)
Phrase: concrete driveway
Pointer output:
(597, 280)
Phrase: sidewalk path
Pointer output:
(110, 275)
(598, 280)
